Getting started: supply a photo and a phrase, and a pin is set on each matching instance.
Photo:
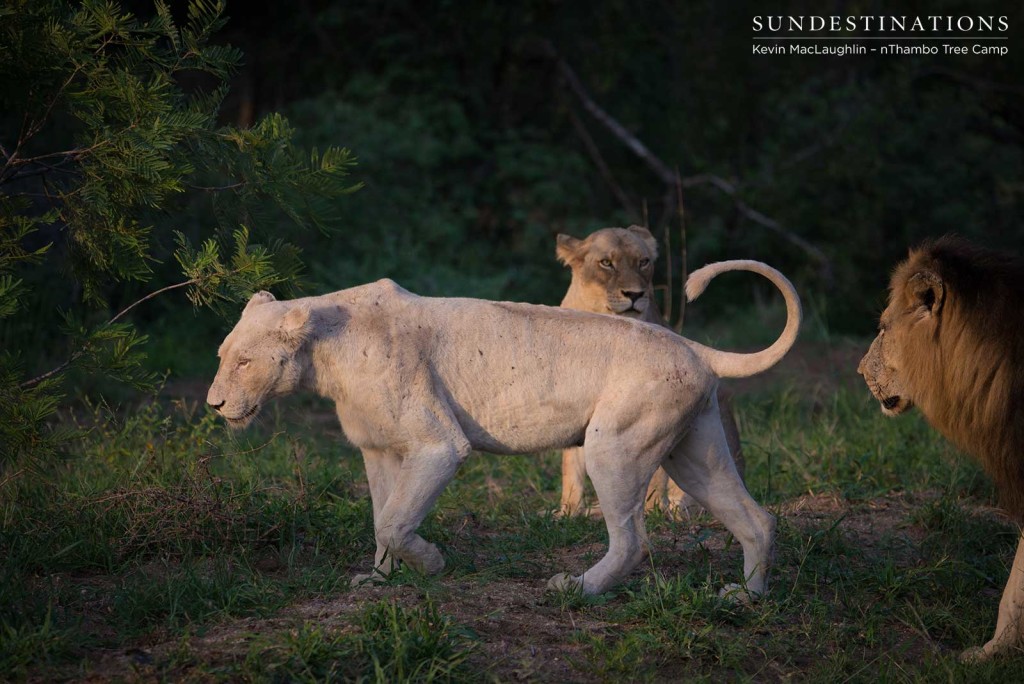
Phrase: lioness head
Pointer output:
(611, 269)
(908, 326)
(259, 358)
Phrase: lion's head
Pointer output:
(951, 344)
(908, 326)
(259, 358)
(611, 271)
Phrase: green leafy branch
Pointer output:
(113, 347)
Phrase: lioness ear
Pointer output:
(296, 321)
(648, 239)
(261, 297)
(925, 288)
(567, 249)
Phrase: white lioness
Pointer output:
(613, 273)
(420, 382)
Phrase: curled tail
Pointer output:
(734, 365)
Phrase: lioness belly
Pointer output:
(537, 428)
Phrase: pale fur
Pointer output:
(950, 343)
(606, 266)
(420, 382)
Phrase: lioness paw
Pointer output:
(736, 593)
(367, 579)
(431, 562)
(974, 655)
(993, 648)
(563, 581)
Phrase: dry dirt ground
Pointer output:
(523, 632)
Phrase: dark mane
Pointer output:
(972, 384)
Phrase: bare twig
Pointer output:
(682, 236)
(670, 179)
(176, 286)
(748, 212)
(617, 129)
(28, 384)
(45, 169)
(219, 188)
(669, 290)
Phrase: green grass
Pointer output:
(383, 643)
(162, 546)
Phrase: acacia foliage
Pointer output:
(110, 127)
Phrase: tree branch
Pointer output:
(683, 274)
(618, 130)
(218, 188)
(29, 384)
(662, 170)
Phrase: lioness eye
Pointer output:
(242, 363)
(644, 263)
(606, 263)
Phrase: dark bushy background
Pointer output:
(463, 129)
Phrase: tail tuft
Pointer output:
(733, 365)
(698, 281)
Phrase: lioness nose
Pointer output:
(215, 406)
(633, 296)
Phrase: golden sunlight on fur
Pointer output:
(951, 342)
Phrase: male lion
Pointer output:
(612, 273)
(421, 382)
(951, 342)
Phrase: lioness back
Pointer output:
(534, 358)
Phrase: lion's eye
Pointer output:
(606, 263)
(242, 363)
(644, 263)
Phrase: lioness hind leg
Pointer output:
(701, 465)
(423, 476)
(574, 473)
(1009, 635)
(666, 493)
(620, 483)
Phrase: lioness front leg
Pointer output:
(701, 465)
(421, 479)
(1009, 634)
(382, 470)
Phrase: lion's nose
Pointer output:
(633, 296)
(215, 405)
